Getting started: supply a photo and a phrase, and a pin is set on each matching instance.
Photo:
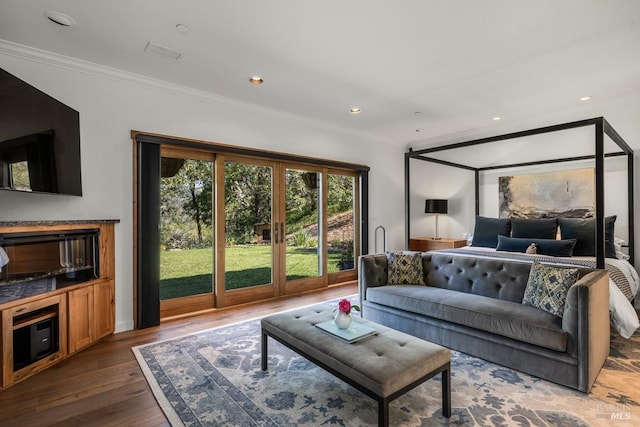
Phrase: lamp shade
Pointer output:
(435, 206)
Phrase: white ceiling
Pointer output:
(442, 67)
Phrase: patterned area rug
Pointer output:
(214, 378)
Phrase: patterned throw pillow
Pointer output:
(547, 287)
(405, 268)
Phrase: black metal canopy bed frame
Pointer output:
(624, 281)
(601, 128)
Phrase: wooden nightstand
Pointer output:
(424, 244)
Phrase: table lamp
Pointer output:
(437, 207)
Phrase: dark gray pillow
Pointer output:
(584, 231)
(544, 228)
(551, 247)
(487, 230)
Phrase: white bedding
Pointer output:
(624, 318)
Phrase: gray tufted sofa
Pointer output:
(473, 305)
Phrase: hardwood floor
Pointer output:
(104, 386)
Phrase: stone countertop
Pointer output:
(57, 222)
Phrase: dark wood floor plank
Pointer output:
(84, 385)
(103, 385)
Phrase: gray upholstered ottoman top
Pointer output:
(384, 363)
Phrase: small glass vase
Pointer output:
(342, 320)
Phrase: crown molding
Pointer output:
(33, 54)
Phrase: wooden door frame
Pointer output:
(226, 298)
(140, 137)
(189, 304)
(347, 275)
(289, 287)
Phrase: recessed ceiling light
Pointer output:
(60, 18)
(496, 118)
(355, 111)
(182, 28)
(585, 98)
(256, 80)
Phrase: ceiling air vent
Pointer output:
(162, 52)
(60, 18)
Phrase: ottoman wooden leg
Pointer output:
(383, 413)
(446, 391)
(264, 350)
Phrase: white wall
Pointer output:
(111, 104)
(434, 181)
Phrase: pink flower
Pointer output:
(345, 306)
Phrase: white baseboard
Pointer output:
(124, 326)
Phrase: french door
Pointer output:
(186, 231)
(245, 247)
(236, 229)
(274, 239)
(319, 215)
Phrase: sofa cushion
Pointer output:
(486, 231)
(552, 247)
(543, 228)
(405, 268)
(510, 319)
(493, 278)
(548, 286)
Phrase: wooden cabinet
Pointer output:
(104, 303)
(91, 314)
(82, 323)
(24, 316)
(424, 244)
(82, 311)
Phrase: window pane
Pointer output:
(248, 216)
(302, 196)
(340, 222)
(186, 233)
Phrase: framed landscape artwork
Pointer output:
(561, 194)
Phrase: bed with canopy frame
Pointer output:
(576, 148)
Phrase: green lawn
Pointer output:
(189, 272)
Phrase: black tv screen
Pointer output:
(39, 140)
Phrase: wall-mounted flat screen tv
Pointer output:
(39, 140)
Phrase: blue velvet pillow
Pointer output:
(544, 228)
(487, 230)
(551, 247)
(584, 231)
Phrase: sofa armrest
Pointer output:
(586, 321)
(372, 272)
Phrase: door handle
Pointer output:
(282, 232)
(275, 233)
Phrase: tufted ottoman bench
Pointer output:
(383, 366)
